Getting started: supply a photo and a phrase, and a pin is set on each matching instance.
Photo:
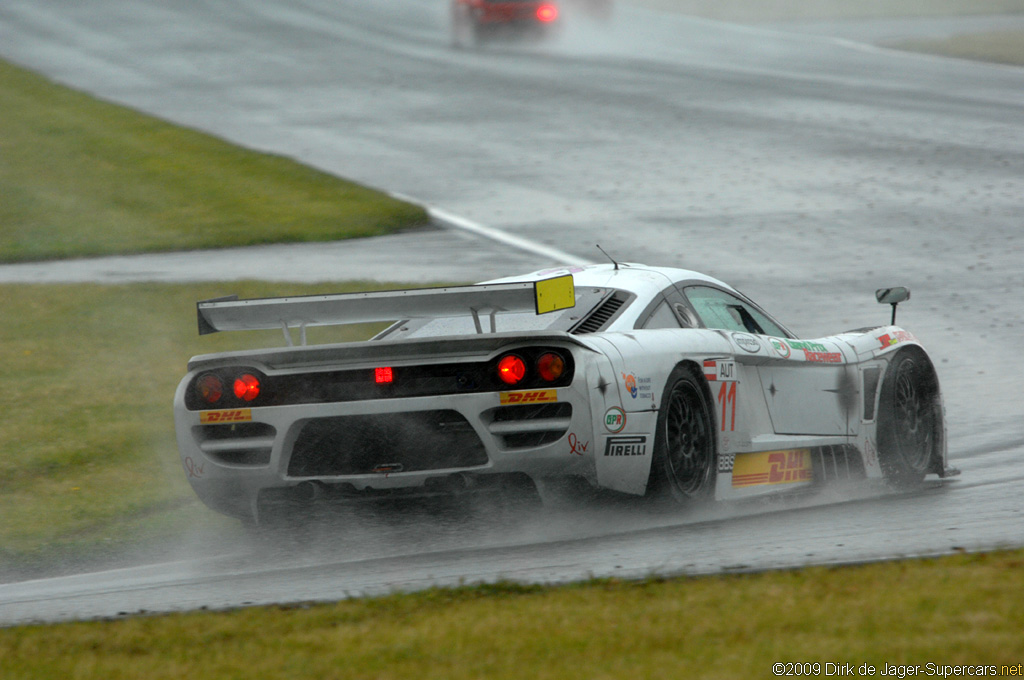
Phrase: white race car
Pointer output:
(631, 378)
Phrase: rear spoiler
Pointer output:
(232, 314)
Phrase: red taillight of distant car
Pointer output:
(247, 387)
(547, 13)
(210, 388)
(550, 366)
(511, 369)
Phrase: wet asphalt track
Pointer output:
(808, 170)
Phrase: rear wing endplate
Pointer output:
(232, 314)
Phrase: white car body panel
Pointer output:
(785, 411)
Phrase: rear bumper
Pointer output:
(379, 447)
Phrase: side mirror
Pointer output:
(892, 296)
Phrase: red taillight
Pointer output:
(210, 388)
(511, 369)
(550, 366)
(383, 375)
(247, 387)
(547, 13)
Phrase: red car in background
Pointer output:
(474, 21)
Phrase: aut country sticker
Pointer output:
(238, 415)
(720, 370)
(528, 397)
(772, 467)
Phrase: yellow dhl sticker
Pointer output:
(238, 415)
(528, 397)
(772, 467)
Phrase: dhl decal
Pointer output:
(772, 467)
(238, 415)
(528, 397)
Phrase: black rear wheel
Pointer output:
(909, 419)
(684, 455)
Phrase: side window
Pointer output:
(662, 317)
(718, 309)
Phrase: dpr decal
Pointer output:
(615, 420)
(781, 347)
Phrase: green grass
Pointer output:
(81, 177)
(959, 610)
(90, 463)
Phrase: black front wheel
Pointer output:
(909, 419)
(684, 454)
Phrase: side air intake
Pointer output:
(602, 314)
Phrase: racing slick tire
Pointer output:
(684, 461)
(909, 419)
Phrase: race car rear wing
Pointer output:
(232, 314)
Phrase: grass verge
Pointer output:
(82, 177)
(965, 610)
(91, 464)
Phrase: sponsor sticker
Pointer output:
(772, 467)
(781, 348)
(238, 415)
(823, 357)
(614, 420)
(637, 387)
(577, 447)
(808, 346)
(720, 370)
(747, 343)
(895, 338)
(528, 397)
(626, 446)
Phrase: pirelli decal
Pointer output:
(238, 415)
(772, 467)
(528, 397)
(626, 446)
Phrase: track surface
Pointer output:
(805, 169)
